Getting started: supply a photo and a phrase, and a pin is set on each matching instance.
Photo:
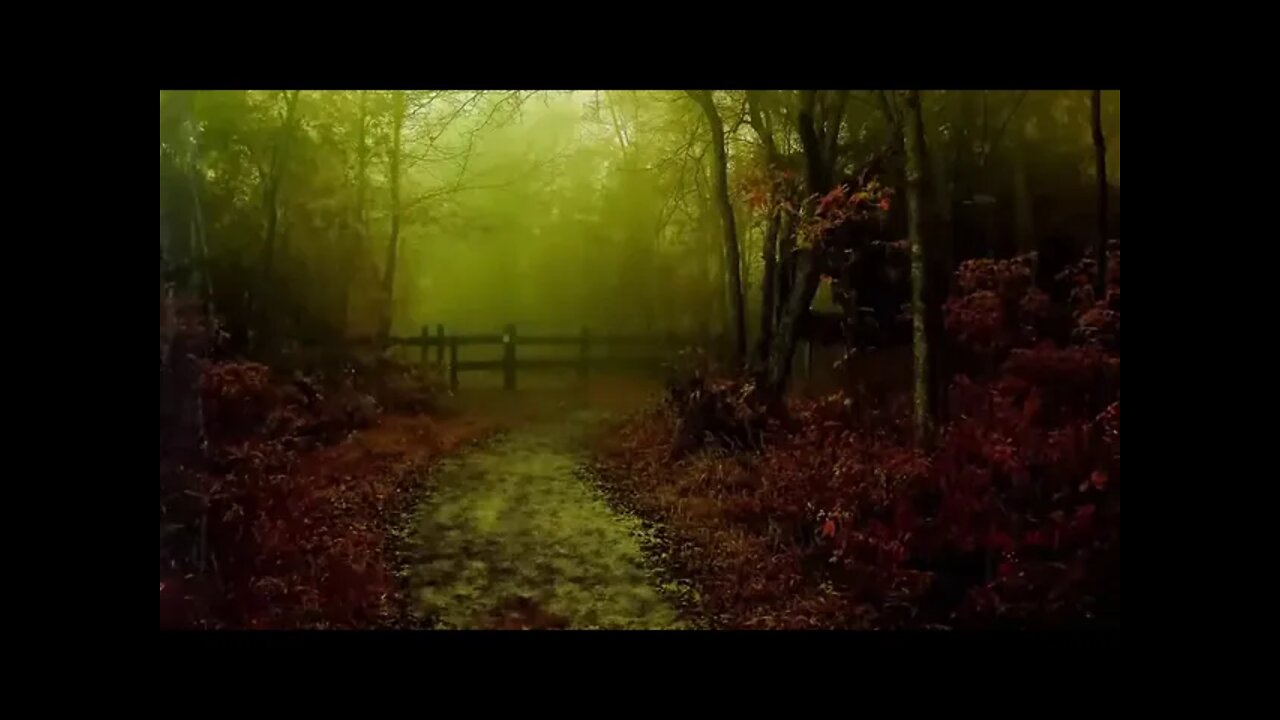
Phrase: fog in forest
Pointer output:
(639, 359)
(558, 210)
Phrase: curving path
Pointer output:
(512, 537)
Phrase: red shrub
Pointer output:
(300, 539)
(1012, 520)
(996, 308)
(277, 531)
(237, 399)
(1007, 278)
(978, 320)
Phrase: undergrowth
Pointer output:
(828, 518)
(283, 511)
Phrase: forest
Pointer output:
(639, 359)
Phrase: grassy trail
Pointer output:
(512, 537)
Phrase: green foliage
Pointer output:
(551, 209)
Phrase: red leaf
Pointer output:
(1000, 540)
(829, 528)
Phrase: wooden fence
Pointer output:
(661, 347)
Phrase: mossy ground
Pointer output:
(512, 536)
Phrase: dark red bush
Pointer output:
(1013, 520)
(238, 396)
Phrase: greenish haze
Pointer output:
(293, 216)
(512, 520)
(548, 209)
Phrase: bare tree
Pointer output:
(393, 241)
(757, 116)
(1100, 165)
(356, 222)
(800, 267)
(733, 263)
(414, 142)
(275, 174)
(1023, 219)
(917, 228)
(274, 177)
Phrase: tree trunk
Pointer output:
(834, 121)
(775, 285)
(1024, 230)
(917, 222)
(279, 159)
(393, 243)
(200, 243)
(803, 280)
(732, 257)
(769, 251)
(271, 198)
(897, 151)
(744, 273)
(273, 218)
(710, 259)
(1100, 164)
(788, 330)
(944, 210)
(197, 279)
(359, 232)
(705, 293)
(786, 266)
(817, 165)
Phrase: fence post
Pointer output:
(584, 358)
(440, 346)
(422, 362)
(509, 357)
(453, 364)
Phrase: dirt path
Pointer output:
(511, 537)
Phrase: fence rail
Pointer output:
(510, 341)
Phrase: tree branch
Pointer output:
(623, 146)
(809, 140)
(834, 122)
(1012, 111)
(757, 119)
(886, 109)
(742, 117)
